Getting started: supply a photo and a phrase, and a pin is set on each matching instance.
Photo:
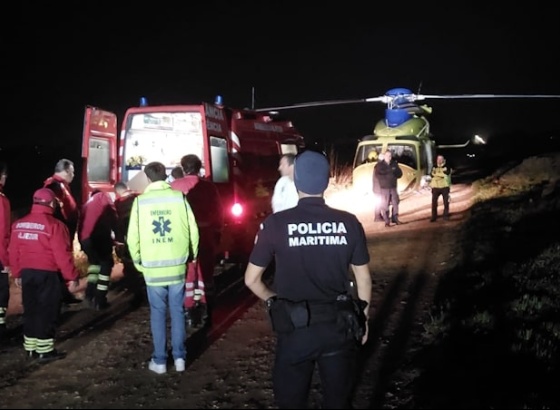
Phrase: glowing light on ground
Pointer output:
(347, 199)
(413, 207)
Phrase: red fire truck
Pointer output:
(239, 149)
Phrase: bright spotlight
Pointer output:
(479, 140)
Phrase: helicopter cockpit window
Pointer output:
(367, 153)
(404, 154)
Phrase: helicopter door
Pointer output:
(99, 152)
(427, 155)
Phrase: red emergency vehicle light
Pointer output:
(237, 210)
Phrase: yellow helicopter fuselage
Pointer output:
(411, 145)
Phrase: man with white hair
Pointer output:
(285, 194)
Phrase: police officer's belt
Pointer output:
(287, 315)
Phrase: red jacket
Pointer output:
(123, 205)
(98, 217)
(204, 198)
(41, 241)
(67, 212)
(185, 184)
(5, 222)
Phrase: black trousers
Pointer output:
(436, 192)
(41, 294)
(4, 296)
(207, 252)
(389, 197)
(297, 353)
(99, 252)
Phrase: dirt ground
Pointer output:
(108, 367)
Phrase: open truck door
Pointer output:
(99, 152)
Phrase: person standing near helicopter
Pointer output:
(441, 185)
(387, 172)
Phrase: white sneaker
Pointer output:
(157, 368)
(180, 365)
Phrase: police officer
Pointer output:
(39, 250)
(313, 246)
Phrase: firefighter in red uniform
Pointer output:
(204, 198)
(39, 252)
(66, 208)
(98, 221)
(123, 204)
(5, 221)
(59, 183)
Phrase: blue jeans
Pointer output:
(160, 297)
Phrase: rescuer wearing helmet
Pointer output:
(40, 251)
(372, 156)
(316, 319)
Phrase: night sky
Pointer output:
(57, 61)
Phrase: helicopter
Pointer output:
(405, 131)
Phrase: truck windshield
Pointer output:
(161, 136)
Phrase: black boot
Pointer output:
(101, 302)
(90, 294)
(51, 356)
(385, 216)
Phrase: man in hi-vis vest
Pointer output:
(162, 235)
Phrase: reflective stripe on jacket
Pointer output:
(161, 234)
(41, 241)
(441, 177)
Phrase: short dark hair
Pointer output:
(155, 171)
(177, 172)
(3, 168)
(63, 165)
(289, 157)
(191, 164)
(120, 185)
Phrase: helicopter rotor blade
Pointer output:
(323, 103)
(393, 99)
(466, 96)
